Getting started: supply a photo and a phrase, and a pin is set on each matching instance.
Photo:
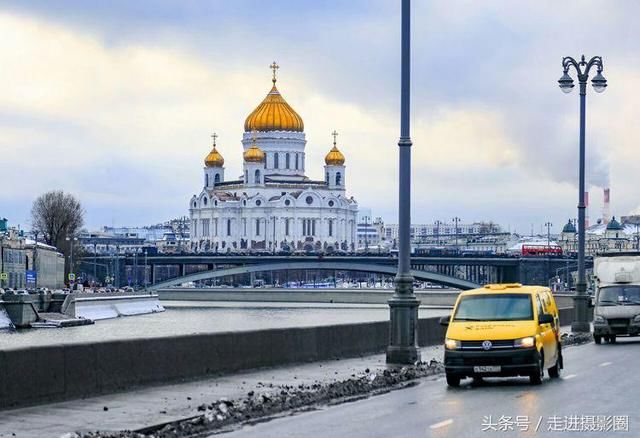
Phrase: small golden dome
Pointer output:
(274, 113)
(214, 159)
(254, 154)
(334, 157)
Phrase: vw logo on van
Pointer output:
(486, 345)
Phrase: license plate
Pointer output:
(486, 369)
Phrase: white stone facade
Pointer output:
(274, 206)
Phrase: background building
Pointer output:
(27, 263)
(601, 237)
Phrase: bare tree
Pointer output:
(57, 215)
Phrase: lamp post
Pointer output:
(35, 258)
(403, 306)
(145, 269)
(581, 322)
(437, 224)
(548, 225)
(455, 221)
(71, 239)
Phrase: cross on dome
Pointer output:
(335, 134)
(274, 67)
(214, 136)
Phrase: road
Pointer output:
(598, 380)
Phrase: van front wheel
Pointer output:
(536, 376)
(453, 380)
(597, 339)
(554, 371)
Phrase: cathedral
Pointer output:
(273, 206)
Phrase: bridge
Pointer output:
(165, 269)
(419, 275)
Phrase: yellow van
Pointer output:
(503, 330)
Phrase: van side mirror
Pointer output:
(444, 320)
(545, 318)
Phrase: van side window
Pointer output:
(540, 309)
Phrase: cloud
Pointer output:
(116, 103)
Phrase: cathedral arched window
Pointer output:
(287, 159)
(286, 227)
(276, 161)
(257, 227)
(338, 178)
(257, 177)
(246, 177)
(296, 161)
(216, 179)
(204, 200)
(326, 178)
(228, 227)
(206, 180)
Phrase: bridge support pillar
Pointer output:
(403, 306)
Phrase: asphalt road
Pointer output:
(598, 380)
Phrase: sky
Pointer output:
(115, 102)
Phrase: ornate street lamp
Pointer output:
(581, 321)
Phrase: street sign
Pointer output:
(4, 276)
(71, 276)
(30, 276)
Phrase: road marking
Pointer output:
(569, 376)
(441, 424)
(605, 364)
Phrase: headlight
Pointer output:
(527, 342)
(636, 318)
(600, 319)
(451, 344)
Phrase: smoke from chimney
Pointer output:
(606, 207)
(586, 210)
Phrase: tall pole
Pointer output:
(145, 269)
(71, 255)
(581, 324)
(403, 305)
(35, 260)
(95, 264)
(456, 220)
(366, 234)
(548, 225)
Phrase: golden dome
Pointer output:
(334, 157)
(214, 159)
(274, 113)
(254, 154)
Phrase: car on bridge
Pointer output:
(503, 330)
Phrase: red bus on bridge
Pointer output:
(541, 250)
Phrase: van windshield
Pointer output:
(494, 307)
(619, 295)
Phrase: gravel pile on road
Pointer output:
(568, 339)
(269, 400)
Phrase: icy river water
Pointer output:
(183, 318)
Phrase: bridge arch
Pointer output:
(433, 277)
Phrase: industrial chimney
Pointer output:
(606, 208)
